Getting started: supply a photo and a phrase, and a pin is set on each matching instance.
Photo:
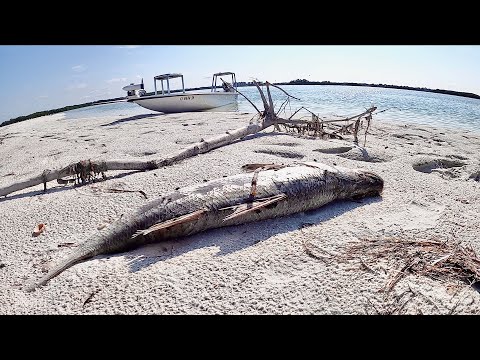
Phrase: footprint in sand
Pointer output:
(284, 154)
(356, 153)
(407, 136)
(445, 167)
(335, 150)
(454, 156)
(417, 215)
(287, 144)
(148, 153)
(361, 154)
(475, 176)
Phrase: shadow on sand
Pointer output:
(58, 188)
(132, 118)
(231, 239)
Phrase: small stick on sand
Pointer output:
(89, 298)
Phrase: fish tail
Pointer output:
(73, 259)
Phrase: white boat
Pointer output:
(222, 97)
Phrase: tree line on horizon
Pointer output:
(54, 111)
(244, 84)
(401, 87)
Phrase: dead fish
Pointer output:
(225, 202)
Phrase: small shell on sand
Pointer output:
(38, 229)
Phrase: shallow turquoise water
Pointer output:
(330, 101)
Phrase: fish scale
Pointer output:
(224, 202)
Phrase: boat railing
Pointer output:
(137, 90)
(167, 77)
(217, 75)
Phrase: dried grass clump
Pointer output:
(445, 261)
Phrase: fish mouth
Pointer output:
(370, 185)
(375, 181)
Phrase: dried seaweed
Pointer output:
(444, 261)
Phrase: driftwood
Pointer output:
(315, 127)
(86, 171)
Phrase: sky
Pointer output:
(41, 77)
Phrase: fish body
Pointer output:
(225, 202)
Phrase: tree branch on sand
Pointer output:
(86, 171)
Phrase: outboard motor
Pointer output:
(135, 90)
(130, 92)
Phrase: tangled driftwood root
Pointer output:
(445, 261)
(329, 129)
(87, 171)
(84, 171)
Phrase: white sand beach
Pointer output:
(432, 191)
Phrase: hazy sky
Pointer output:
(39, 78)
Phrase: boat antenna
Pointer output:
(142, 83)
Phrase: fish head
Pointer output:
(349, 183)
(363, 183)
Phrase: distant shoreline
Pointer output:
(246, 84)
(386, 86)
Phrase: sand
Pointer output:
(432, 190)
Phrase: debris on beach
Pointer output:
(331, 129)
(112, 190)
(65, 181)
(446, 261)
(66, 244)
(90, 297)
(253, 167)
(39, 228)
(438, 260)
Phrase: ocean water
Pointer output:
(332, 101)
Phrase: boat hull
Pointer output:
(186, 102)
